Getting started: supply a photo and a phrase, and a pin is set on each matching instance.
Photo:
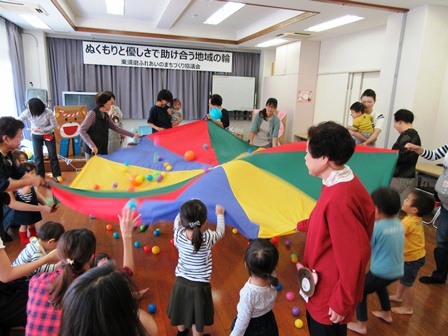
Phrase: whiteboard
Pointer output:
(238, 93)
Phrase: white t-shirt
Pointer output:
(378, 120)
(1, 244)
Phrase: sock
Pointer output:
(183, 333)
(23, 237)
(32, 232)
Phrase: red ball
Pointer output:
(147, 248)
(96, 187)
(274, 240)
(172, 241)
(109, 227)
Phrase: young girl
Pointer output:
(191, 303)
(176, 112)
(75, 250)
(28, 204)
(257, 297)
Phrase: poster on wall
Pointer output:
(304, 96)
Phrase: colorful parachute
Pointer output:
(264, 192)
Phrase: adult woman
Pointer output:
(441, 251)
(95, 127)
(43, 122)
(115, 114)
(105, 295)
(368, 99)
(265, 126)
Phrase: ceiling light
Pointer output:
(115, 7)
(271, 43)
(228, 9)
(334, 23)
(34, 21)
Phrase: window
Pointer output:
(7, 96)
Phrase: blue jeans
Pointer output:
(8, 216)
(38, 143)
(442, 229)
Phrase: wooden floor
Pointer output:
(156, 272)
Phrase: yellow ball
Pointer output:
(169, 168)
(155, 250)
(139, 179)
(234, 231)
(298, 323)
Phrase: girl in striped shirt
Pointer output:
(191, 304)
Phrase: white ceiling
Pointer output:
(180, 22)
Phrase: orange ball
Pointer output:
(189, 155)
(155, 250)
(109, 227)
(294, 260)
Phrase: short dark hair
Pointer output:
(261, 258)
(369, 93)
(105, 294)
(9, 126)
(216, 99)
(102, 98)
(51, 230)
(423, 202)
(98, 257)
(27, 166)
(404, 115)
(272, 102)
(387, 201)
(331, 140)
(111, 93)
(36, 107)
(357, 107)
(165, 95)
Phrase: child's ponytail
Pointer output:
(193, 214)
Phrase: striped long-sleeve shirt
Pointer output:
(32, 252)
(438, 153)
(196, 266)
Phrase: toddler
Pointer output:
(362, 122)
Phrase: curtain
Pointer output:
(135, 88)
(17, 64)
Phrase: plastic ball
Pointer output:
(158, 230)
(215, 113)
(156, 233)
(295, 311)
(49, 201)
(131, 189)
(96, 187)
(205, 146)
(152, 308)
(115, 185)
(293, 255)
(142, 227)
(149, 177)
(132, 203)
(136, 180)
(250, 150)
(109, 227)
(137, 244)
(155, 250)
(60, 179)
(279, 287)
(169, 168)
(274, 240)
(298, 323)
(147, 248)
(172, 241)
(160, 158)
(159, 178)
(288, 243)
(166, 164)
(164, 174)
(91, 216)
(116, 235)
(189, 155)
(234, 230)
(290, 296)
(295, 260)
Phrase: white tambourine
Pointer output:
(307, 279)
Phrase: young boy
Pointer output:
(38, 247)
(362, 122)
(416, 205)
(344, 215)
(404, 179)
(176, 112)
(386, 264)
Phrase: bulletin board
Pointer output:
(238, 93)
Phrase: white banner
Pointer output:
(156, 57)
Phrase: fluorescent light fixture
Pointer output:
(343, 20)
(220, 15)
(271, 43)
(34, 21)
(115, 7)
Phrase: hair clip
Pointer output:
(193, 224)
(70, 261)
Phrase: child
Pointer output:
(176, 112)
(386, 264)
(257, 297)
(28, 204)
(191, 303)
(362, 122)
(404, 179)
(416, 205)
(19, 157)
(47, 241)
(75, 250)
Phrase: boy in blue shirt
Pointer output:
(386, 264)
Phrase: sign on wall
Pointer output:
(156, 57)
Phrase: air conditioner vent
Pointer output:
(22, 8)
(293, 36)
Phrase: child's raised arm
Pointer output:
(128, 221)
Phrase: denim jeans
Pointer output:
(38, 143)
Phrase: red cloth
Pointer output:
(338, 248)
